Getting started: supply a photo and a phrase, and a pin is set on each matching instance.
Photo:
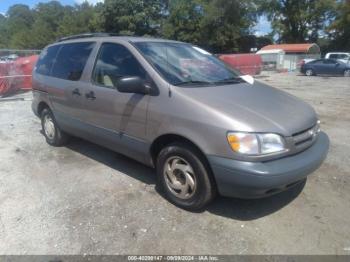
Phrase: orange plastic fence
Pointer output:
(17, 75)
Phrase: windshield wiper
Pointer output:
(193, 82)
(235, 79)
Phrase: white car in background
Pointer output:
(8, 59)
(340, 56)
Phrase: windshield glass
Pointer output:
(182, 64)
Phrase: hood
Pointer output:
(255, 108)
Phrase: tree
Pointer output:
(184, 21)
(214, 24)
(18, 22)
(339, 30)
(297, 21)
(80, 19)
(132, 17)
(20, 17)
(48, 17)
(3, 32)
(225, 22)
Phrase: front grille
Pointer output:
(305, 138)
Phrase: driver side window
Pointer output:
(113, 62)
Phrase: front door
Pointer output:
(116, 120)
(330, 67)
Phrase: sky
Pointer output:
(263, 26)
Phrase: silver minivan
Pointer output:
(175, 107)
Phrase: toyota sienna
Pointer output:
(204, 127)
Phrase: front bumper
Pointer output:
(261, 179)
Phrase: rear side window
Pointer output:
(46, 60)
(329, 61)
(333, 56)
(71, 60)
(318, 62)
(343, 56)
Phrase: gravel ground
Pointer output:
(84, 199)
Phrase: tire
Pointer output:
(188, 183)
(53, 134)
(347, 73)
(309, 72)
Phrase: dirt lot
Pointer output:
(85, 199)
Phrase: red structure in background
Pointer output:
(17, 75)
(24, 66)
(247, 64)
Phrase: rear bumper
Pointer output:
(261, 179)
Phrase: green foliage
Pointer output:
(296, 21)
(27, 28)
(80, 19)
(226, 21)
(183, 21)
(20, 18)
(132, 17)
(214, 24)
(48, 17)
(221, 26)
(339, 29)
(4, 39)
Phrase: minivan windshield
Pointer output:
(183, 64)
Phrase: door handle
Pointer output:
(76, 92)
(90, 95)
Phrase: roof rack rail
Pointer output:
(86, 35)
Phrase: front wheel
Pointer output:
(184, 177)
(347, 73)
(53, 134)
(309, 72)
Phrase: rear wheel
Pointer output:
(309, 72)
(184, 177)
(53, 134)
(347, 73)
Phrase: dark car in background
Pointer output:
(325, 67)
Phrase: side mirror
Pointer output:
(132, 84)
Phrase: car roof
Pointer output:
(107, 37)
(338, 53)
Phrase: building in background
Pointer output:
(272, 59)
(288, 56)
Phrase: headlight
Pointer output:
(255, 144)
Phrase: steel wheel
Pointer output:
(179, 177)
(49, 127)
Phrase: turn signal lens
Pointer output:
(234, 142)
(243, 143)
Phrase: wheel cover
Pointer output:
(179, 177)
(49, 127)
(347, 73)
(309, 72)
